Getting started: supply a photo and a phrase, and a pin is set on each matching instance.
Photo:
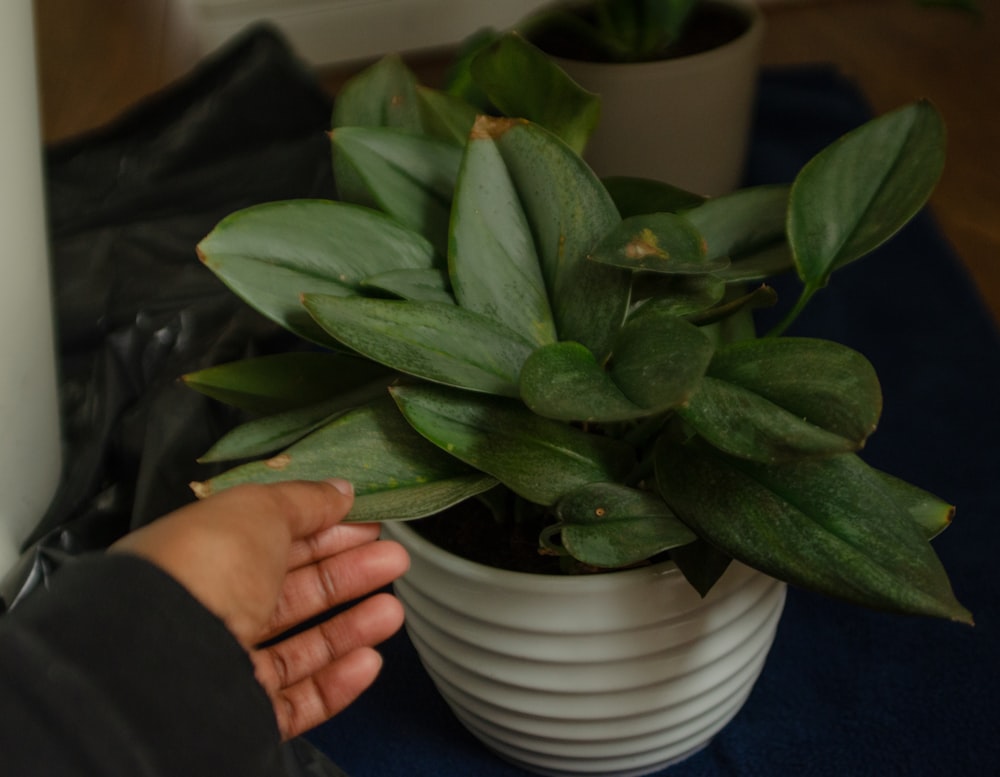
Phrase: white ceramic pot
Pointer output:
(685, 121)
(620, 674)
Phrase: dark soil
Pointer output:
(711, 25)
(470, 531)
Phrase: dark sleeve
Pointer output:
(118, 670)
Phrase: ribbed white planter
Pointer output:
(614, 674)
(685, 121)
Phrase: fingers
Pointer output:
(306, 507)
(314, 675)
(330, 541)
(352, 573)
(321, 696)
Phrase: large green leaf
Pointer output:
(492, 260)
(524, 82)
(436, 341)
(569, 211)
(271, 254)
(658, 242)
(375, 449)
(286, 381)
(775, 399)
(565, 382)
(535, 457)
(659, 359)
(409, 176)
(828, 525)
(859, 191)
(610, 525)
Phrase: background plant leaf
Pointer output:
(438, 342)
(535, 457)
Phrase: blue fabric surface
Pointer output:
(845, 691)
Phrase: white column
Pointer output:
(30, 460)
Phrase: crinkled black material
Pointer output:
(135, 307)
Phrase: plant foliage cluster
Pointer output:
(492, 321)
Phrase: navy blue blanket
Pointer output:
(844, 691)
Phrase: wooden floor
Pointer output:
(96, 57)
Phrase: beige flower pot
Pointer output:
(685, 121)
(614, 674)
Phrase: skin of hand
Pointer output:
(266, 558)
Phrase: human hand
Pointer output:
(267, 558)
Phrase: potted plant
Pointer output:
(506, 334)
(677, 79)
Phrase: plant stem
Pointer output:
(800, 304)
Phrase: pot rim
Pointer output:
(524, 581)
(749, 38)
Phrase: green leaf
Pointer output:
(535, 457)
(267, 435)
(569, 211)
(383, 95)
(609, 525)
(679, 295)
(445, 116)
(828, 525)
(524, 82)
(419, 501)
(748, 226)
(492, 261)
(658, 242)
(274, 384)
(932, 514)
(564, 381)
(859, 191)
(271, 254)
(640, 196)
(409, 176)
(659, 359)
(773, 400)
(372, 446)
(761, 297)
(701, 564)
(424, 285)
(439, 342)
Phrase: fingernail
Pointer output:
(343, 486)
